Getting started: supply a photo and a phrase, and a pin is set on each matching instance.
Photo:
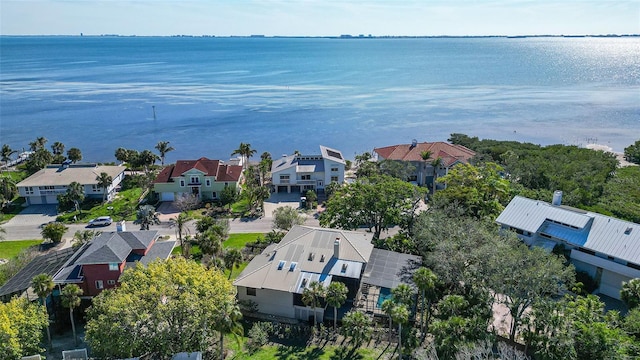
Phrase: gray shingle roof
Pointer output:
(604, 234)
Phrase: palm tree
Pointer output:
(104, 180)
(425, 155)
(163, 148)
(8, 190)
(311, 297)
(425, 280)
(57, 148)
(403, 294)
(82, 237)
(357, 326)
(43, 286)
(71, 298)
(436, 164)
(6, 153)
(387, 308)
(147, 158)
(232, 257)
(245, 151)
(180, 222)
(228, 322)
(122, 154)
(210, 243)
(146, 216)
(400, 315)
(75, 192)
(74, 154)
(336, 296)
(38, 143)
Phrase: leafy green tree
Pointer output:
(75, 194)
(265, 166)
(366, 166)
(43, 286)
(38, 160)
(425, 280)
(8, 190)
(357, 326)
(632, 152)
(104, 181)
(228, 317)
(82, 237)
(161, 309)
(336, 295)
(146, 216)
(312, 296)
(400, 170)
(232, 257)
(312, 197)
(163, 148)
(146, 159)
(229, 195)
(255, 193)
(70, 297)
(38, 143)
(21, 324)
(211, 237)
(54, 232)
(621, 195)
(6, 152)
(630, 293)
(57, 148)
(180, 223)
(286, 217)
(379, 203)
(122, 155)
(245, 151)
(436, 164)
(74, 154)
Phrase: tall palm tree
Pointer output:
(122, 154)
(104, 180)
(38, 143)
(311, 297)
(57, 148)
(74, 154)
(180, 222)
(6, 153)
(163, 148)
(146, 216)
(403, 294)
(425, 280)
(232, 257)
(400, 315)
(336, 295)
(8, 190)
(71, 299)
(210, 243)
(425, 155)
(245, 151)
(387, 308)
(43, 286)
(228, 322)
(147, 158)
(75, 192)
(436, 164)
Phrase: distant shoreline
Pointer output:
(343, 36)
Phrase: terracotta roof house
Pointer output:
(276, 279)
(203, 178)
(425, 174)
(44, 186)
(608, 249)
(299, 173)
(97, 265)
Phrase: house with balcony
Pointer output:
(299, 173)
(44, 186)
(98, 264)
(203, 178)
(276, 279)
(606, 248)
(425, 173)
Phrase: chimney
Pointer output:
(336, 248)
(557, 198)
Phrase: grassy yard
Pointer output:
(10, 249)
(238, 241)
(303, 352)
(13, 210)
(123, 206)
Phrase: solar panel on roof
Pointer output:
(334, 154)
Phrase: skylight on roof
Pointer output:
(281, 264)
(292, 266)
(628, 231)
(344, 268)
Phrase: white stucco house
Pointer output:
(44, 186)
(608, 249)
(299, 173)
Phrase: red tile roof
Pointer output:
(222, 172)
(449, 153)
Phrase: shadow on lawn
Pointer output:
(298, 352)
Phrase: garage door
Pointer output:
(167, 196)
(611, 283)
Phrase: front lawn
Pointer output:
(12, 210)
(10, 249)
(238, 241)
(123, 206)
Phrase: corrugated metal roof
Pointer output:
(604, 234)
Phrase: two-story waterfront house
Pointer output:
(299, 173)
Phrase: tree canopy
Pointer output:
(162, 309)
(21, 325)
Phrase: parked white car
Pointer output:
(100, 221)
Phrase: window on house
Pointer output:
(195, 180)
(214, 195)
(111, 282)
(305, 177)
(114, 266)
(334, 179)
(284, 178)
(28, 190)
(208, 181)
(281, 264)
(251, 291)
(99, 284)
(334, 169)
(304, 282)
(293, 266)
(95, 188)
(182, 183)
(412, 178)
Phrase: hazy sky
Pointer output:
(318, 17)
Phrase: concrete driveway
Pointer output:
(34, 215)
(277, 200)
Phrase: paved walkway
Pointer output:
(34, 215)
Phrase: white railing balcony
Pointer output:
(306, 182)
(284, 181)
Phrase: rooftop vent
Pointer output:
(336, 248)
(281, 264)
(311, 256)
(322, 258)
(628, 231)
(344, 268)
(414, 143)
(557, 198)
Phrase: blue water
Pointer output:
(385, 293)
(281, 95)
